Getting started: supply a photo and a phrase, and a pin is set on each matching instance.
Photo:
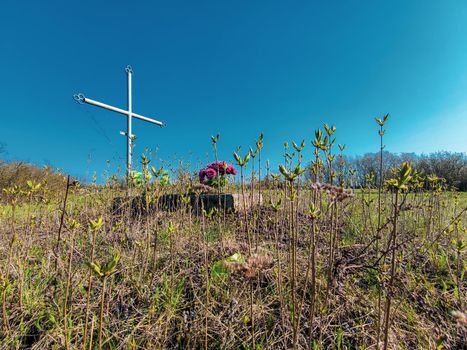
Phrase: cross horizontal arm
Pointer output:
(121, 111)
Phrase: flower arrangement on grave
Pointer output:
(215, 174)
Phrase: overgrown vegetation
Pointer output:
(19, 173)
(309, 262)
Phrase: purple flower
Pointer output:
(210, 173)
(206, 173)
(231, 170)
(202, 175)
(218, 167)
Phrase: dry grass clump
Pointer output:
(250, 268)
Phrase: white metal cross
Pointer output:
(80, 98)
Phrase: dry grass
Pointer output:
(300, 269)
(157, 297)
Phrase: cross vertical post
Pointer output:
(129, 134)
(81, 99)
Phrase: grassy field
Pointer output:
(309, 267)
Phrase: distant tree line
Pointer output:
(364, 170)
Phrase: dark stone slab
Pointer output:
(209, 201)
(135, 205)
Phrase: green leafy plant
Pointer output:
(103, 272)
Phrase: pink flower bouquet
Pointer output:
(215, 174)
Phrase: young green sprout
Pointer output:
(103, 272)
(398, 184)
(291, 175)
(94, 227)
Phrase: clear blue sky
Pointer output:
(234, 67)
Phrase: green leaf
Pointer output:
(313, 211)
(96, 268)
(237, 158)
(259, 142)
(214, 139)
(236, 257)
(283, 171)
(329, 130)
(318, 135)
(460, 246)
(158, 172)
(383, 121)
(298, 171)
(170, 227)
(404, 174)
(73, 224)
(218, 270)
(96, 225)
(247, 158)
(110, 267)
